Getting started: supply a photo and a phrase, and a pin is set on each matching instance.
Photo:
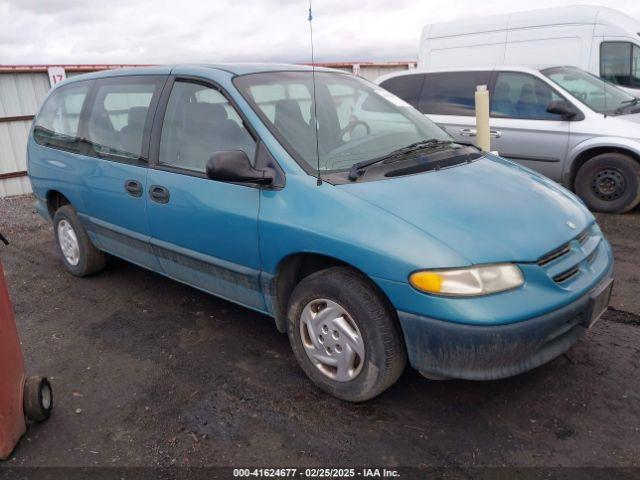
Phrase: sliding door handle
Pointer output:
(159, 194)
(468, 132)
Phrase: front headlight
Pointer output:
(466, 282)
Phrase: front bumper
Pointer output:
(452, 350)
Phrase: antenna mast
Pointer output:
(315, 105)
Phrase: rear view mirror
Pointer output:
(562, 108)
(234, 166)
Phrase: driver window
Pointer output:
(199, 122)
(519, 95)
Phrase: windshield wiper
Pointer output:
(625, 104)
(358, 167)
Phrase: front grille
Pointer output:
(563, 263)
(550, 257)
(566, 275)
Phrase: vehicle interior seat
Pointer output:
(206, 130)
(543, 99)
(502, 103)
(526, 105)
(288, 117)
(131, 134)
(101, 132)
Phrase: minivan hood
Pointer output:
(491, 210)
(631, 117)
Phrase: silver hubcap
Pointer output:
(332, 340)
(68, 242)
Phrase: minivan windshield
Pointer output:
(356, 120)
(594, 92)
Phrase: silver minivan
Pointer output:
(567, 124)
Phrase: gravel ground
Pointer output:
(148, 372)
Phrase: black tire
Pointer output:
(37, 399)
(91, 260)
(609, 183)
(385, 355)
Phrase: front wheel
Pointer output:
(344, 336)
(609, 183)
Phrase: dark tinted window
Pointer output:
(620, 63)
(520, 95)
(451, 93)
(199, 122)
(119, 115)
(57, 123)
(407, 87)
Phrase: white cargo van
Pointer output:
(600, 40)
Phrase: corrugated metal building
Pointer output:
(23, 87)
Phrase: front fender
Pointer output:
(574, 154)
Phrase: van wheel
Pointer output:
(79, 255)
(609, 183)
(344, 336)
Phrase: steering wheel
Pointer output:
(352, 125)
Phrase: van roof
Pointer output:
(575, 14)
(232, 68)
(533, 69)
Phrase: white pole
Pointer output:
(483, 140)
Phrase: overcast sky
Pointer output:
(180, 31)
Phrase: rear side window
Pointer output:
(620, 63)
(520, 95)
(120, 117)
(451, 93)
(200, 121)
(407, 87)
(58, 121)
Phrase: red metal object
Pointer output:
(12, 376)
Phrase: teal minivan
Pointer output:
(370, 236)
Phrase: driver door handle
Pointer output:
(133, 188)
(159, 194)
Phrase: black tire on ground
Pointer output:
(37, 399)
(385, 354)
(609, 182)
(91, 259)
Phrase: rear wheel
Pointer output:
(609, 183)
(79, 255)
(344, 336)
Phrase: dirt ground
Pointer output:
(148, 372)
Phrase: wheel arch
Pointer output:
(588, 153)
(295, 267)
(55, 200)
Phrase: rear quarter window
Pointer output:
(451, 93)
(59, 119)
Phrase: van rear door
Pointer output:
(113, 169)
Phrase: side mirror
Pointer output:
(562, 108)
(234, 166)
